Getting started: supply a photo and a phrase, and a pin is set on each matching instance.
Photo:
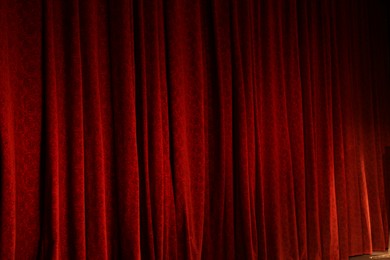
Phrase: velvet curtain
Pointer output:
(193, 129)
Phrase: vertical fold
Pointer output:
(347, 38)
(65, 79)
(380, 79)
(7, 146)
(157, 208)
(325, 134)
(20, 134)
(358, 103)
(94, 78)
(372, 139)
(66, 38)
(73, 88)
(244, 169)
(50, 232)
(219, 240)
(186, 94)
(168, 236)
(260, 197)
(126, 167)
(269, 145)
(337, 46)
(143, 140)
(304, 10)
(292, 99)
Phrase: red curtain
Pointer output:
(193, 129)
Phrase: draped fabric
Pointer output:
(193, 129)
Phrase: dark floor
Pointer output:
(376, 255)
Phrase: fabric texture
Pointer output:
(193, 129)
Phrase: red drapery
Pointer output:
(193, 129)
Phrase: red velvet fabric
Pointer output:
(193, 129)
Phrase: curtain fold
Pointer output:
(193, 129)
